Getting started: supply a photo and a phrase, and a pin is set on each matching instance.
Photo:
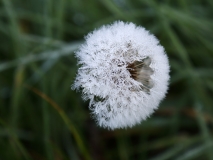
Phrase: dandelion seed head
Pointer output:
(124, 72)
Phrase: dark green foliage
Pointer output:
(41, 118)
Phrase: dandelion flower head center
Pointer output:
(141, 72)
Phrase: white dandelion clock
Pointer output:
(124, 72)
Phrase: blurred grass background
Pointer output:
(41, 118)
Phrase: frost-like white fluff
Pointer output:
(117, 99)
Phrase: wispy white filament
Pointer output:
(124, 72)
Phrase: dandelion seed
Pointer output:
(124, 72)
